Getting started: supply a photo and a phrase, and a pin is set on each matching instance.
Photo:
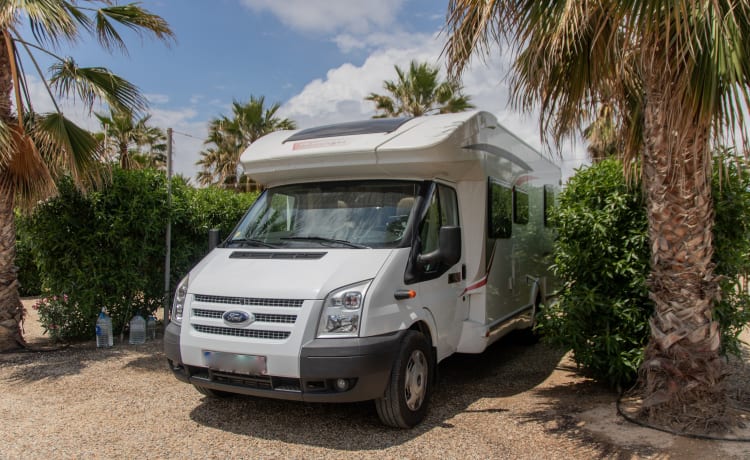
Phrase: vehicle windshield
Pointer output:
(367, 214)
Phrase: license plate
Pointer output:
(234, 363)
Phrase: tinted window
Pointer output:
(520, 206)
(549, 203)
(442, 211)
(500, 210)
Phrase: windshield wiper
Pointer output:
(244, 242)
(321, 239)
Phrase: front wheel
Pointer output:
(406, 397)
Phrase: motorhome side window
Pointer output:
(500, 210)
(443, 211)
(549, 203)
(520, 206)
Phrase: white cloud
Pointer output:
(347, 42)
(188, 137)
(156, 98)
(330, 15)
(339, 97)
(189, 132)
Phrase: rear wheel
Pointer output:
(407, 395)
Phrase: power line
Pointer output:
(186, 135)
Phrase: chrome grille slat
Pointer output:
(259, 317)
(266, 318)
(201, 313)
(251, 333)
(291, 303)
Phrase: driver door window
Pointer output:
(442, 211)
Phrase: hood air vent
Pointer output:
(276, 255)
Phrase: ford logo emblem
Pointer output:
(238, 317)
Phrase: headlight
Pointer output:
(342, 311)
(178, 305)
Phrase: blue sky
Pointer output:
(318, 58)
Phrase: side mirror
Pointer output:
(213, 239)
(448, 252)
(450, 245)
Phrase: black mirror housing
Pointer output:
(450, 245)
(213, 239)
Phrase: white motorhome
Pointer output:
(378, 249)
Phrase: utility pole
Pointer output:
(168, 257)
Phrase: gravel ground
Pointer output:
(514, 401)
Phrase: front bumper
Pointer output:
(364, 363)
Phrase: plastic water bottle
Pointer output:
(151, 328)
(137, 330)
(103, 330)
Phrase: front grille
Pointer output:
(256, 381)
(292, 303)
(259, 317)
(199, 312)
(267, 318)
(251, 333)
(262, 382)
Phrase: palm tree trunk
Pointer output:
(124, 156)
(11, 309)
(682, 368)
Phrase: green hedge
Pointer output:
(107, 248)
(602, 255)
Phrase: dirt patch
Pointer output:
(513, 401)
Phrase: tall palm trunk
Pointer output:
(124, 155)
(11, 309)
(682, 366)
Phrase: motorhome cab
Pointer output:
(378, 249)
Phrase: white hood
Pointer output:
(262, 274)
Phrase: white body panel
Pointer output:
(465, 309)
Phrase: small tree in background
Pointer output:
(229, 137)
(419, 92)
(131, 140)
(106, 249)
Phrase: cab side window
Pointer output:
(442, 211)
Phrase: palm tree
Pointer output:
(129, 139)
(679, 74)
(229, 137)
(601, 134)
(418, 93)
(36, 148)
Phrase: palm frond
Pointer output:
(6, 144)
(78, 16)
(50, 20)
(107, 34)
(26, 174)
(133, 17)
(69, 148)
(92, 83)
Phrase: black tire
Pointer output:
(212, 393)
(407, 395)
